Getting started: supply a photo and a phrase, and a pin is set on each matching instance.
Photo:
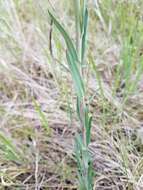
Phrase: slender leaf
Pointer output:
(85, 21)
(66, 37)
(75, 75)
(42, 116)
(11, 151)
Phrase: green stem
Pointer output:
(77, 19)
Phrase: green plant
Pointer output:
(42, 117)
(76, 62)
(10, 151)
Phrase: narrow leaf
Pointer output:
(85, 21)
(66, 37)
(75, 75)
(10, 149)
(42, 116)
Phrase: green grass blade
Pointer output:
(72, 58)
(85, 21)
(78, 105)
(66, 37)
(77, 23)
(11, 151)
(43, 118)
(75, 75)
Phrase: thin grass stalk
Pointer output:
(77, 22)
(82, 109)
(74, 57)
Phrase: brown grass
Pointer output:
(27, 71)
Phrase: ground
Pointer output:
(38, 119)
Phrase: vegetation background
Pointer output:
(38, 119)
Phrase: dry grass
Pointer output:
(42, 159)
